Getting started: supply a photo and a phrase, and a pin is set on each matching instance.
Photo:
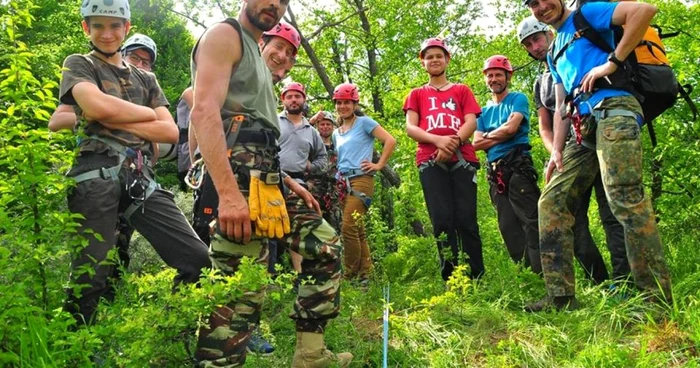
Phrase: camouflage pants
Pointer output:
(619, 152)
(223, 342)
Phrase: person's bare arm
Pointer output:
(389, 144)
(446, 143)
(161, 130)
(218, 51)
(63, 118)
(561, 131)
(636, 18)
(546, 124)
(484, 141)
(104, 108)
(188, 97)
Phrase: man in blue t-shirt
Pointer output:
(501, 131)
(605, 117)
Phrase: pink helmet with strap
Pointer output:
(498, 62)
(294, 86)
(286, 32)
(346, 91)
(433, 42)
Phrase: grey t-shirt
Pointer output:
(299, 144)
(544, 92)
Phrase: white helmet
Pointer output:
(530, 26)
(167, 152)
(106, 8)
(138, 41)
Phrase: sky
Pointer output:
(484, 22)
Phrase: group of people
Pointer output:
(263, 177)
(543, 231)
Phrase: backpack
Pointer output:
(646, 73)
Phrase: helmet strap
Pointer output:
(105, 54)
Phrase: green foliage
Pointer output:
(433, 324)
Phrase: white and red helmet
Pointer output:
(294, 86)
(346, 91)
(498, 62)
(286, 32)
(433, 42)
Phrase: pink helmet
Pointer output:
(346, 91)
(433, 42)
(294, 86)
(498, 62)
(287, 32)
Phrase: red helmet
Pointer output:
(433, 42)
(346, 91)
(294, 86)
(287, 32)
(498, 62)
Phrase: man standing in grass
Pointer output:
(608, 117)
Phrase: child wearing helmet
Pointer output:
(354, 144)
(441, 118)
(121, 121)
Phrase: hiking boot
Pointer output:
(311, 352)
(363, 285)
(568, 303)
(258, 345)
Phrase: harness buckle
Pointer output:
(270, 178)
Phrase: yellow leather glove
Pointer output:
(271, 216)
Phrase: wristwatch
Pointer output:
(612, 58)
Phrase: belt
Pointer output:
(353, 172)
(296, 175)
(256, 136)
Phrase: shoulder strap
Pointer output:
(663, 35)
(237, 26)
(584, 27)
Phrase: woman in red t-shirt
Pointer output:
(441, 117)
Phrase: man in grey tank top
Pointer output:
(234, 96)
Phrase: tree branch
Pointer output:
(332, 24)
(195, 21)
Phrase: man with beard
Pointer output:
(234, 116)
(441, 117)
(591, 89)
(536, 37)
(302, 151)
(502, 131)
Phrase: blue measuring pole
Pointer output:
(386, 326)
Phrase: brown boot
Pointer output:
(311, 352)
